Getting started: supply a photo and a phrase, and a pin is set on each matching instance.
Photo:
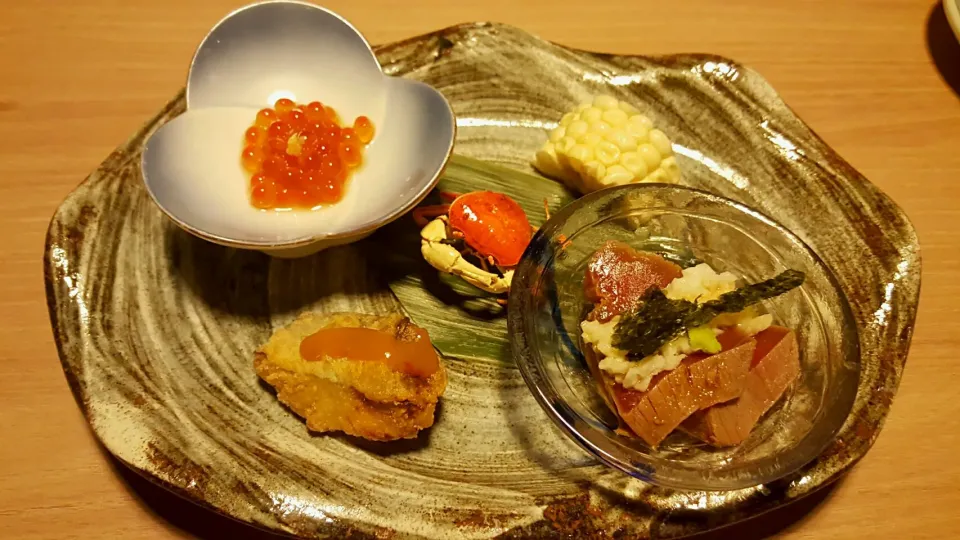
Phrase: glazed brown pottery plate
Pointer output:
(156, 329)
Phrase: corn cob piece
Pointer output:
(607, 143)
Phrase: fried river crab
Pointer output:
(477, 236)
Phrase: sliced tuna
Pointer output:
(700, 381)
(774, 367)
(618, 275)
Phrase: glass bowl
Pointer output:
(547, 305)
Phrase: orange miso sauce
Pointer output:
(301, 156)
(416, 357)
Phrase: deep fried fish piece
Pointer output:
(363, 398)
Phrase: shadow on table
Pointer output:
(205, 524)
(944, 48)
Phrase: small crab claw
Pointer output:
(448, 196)
(446, 258)
(423, 214)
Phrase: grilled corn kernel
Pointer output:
(661, 142)
(565, 144)
(638, 131)
(591, 115)
(635, 164)
(615, 117)
(623, 140)
(607, 153)
(578, 156)
(607, 142)
(641, 121)
(578, 128)
(649, 155)
(549, 164)
(600, 127)
(591, 139)
(595, 169)
(617, 175)
(547, 161)
(605, 102)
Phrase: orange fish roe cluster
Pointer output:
(300, 156)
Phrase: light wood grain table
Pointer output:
(76, 78)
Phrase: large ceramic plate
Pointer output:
(156, 329)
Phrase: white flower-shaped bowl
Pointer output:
(251, 58)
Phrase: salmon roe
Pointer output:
(300, 156)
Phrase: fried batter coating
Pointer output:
(361, 398)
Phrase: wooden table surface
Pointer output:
(878, 79)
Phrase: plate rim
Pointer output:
(952, 10)
(843, 167)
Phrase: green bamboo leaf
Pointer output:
(463, 321)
